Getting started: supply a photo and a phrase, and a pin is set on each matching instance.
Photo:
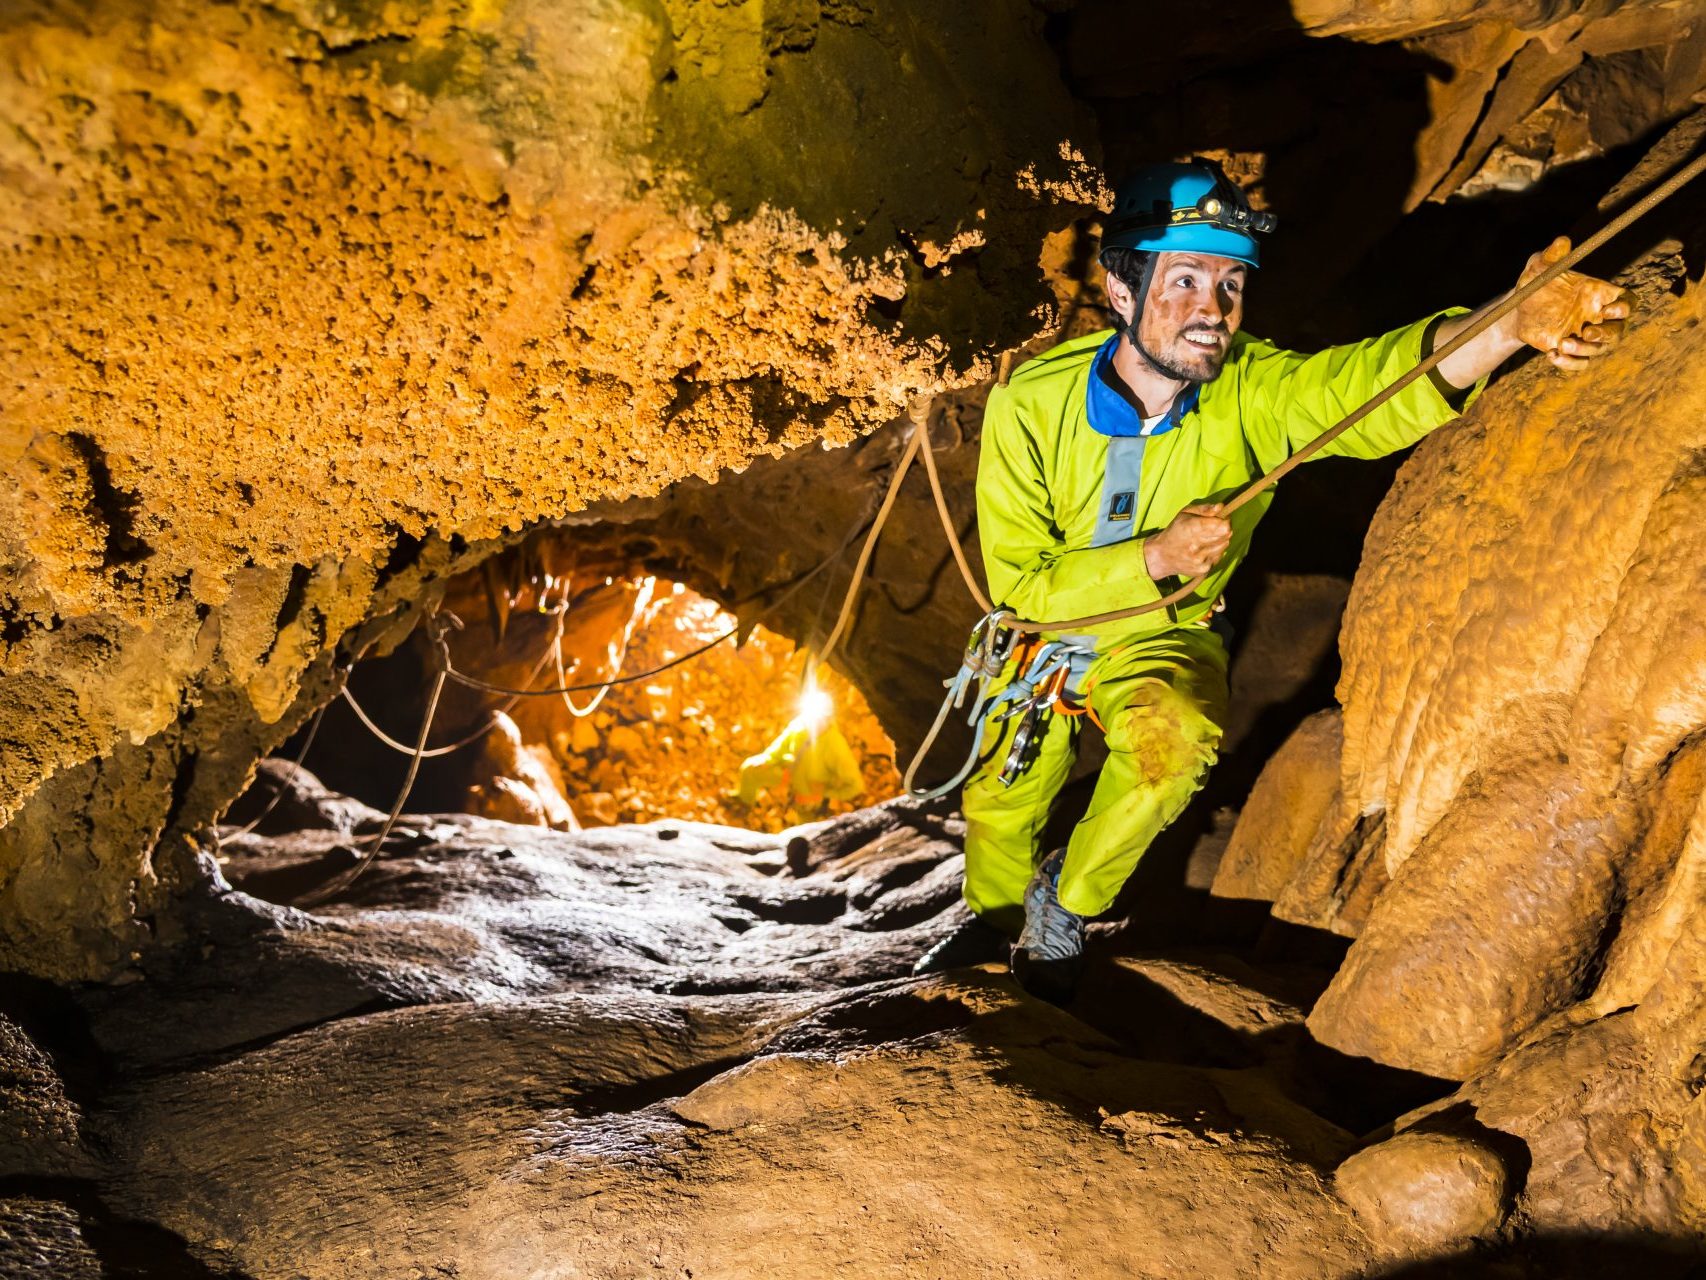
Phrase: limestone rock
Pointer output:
(953, 1116)
(1494, 922)
(335, 296)
(1424, 1192)
(517, 784)
(40, 1127)
(286, 797)
(510, 1050)
(1279, 820)
(44, 1239)
(1510, 791)
(780, 1088)
(463, 908)
(1606, 1095)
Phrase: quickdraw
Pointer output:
(1037, 689)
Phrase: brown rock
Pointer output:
(560, 1137)
(1607, 1095)
(517, 784)
(1294, 793)
(433, 274)
(772, 1090)
(40, 1127)
(1487, 928)
(1511, 791)
(1424, 1193)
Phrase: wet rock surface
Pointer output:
(505, 1050)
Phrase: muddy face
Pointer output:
(1194, 306)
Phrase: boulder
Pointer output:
(1425, 1193)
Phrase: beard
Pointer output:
(1178, 359)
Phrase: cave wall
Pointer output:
(1517, 758)
(311, 305)
(294, 290)
(1506, 815)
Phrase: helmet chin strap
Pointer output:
(1138, 298)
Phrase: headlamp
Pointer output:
(1234, 215)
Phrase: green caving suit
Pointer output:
(1068, 489)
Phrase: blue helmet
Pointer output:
(1195, 207)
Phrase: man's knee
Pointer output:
(1166, 733)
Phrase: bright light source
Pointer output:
(816, 706)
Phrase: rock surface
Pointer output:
(506, 1050)
(509, 1050)
(1428, 1191)
(313, 306)
(1287, 805)
(374, 283)
(1515, 843)
(1478, 844)
(1511, 790)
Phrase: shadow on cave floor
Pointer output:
(1565, 1256)
(122, 1248)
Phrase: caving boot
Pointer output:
(1049, 955)
(974, 941)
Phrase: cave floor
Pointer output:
(671, 1049)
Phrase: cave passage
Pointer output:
(583, 346)
(665, 745)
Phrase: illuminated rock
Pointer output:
(304, 302)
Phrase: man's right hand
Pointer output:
(1192, 544)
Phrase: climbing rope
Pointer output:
(437, 627)
(491, 717)
(864, 561)
(444, 669)
(580, 713)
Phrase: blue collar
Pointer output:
(1111, 414)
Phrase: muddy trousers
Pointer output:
(1162, 700)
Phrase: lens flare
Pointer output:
(815, 707)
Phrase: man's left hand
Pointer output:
(1573, 319)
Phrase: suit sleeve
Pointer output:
(1029, 570)
(1288, 398)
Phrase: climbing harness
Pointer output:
(1044, 676)
(985, 656)
(1033, 696)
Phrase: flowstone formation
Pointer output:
(1507, 820)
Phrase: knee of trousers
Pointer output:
(1164, 733)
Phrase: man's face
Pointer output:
(1195, 305)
